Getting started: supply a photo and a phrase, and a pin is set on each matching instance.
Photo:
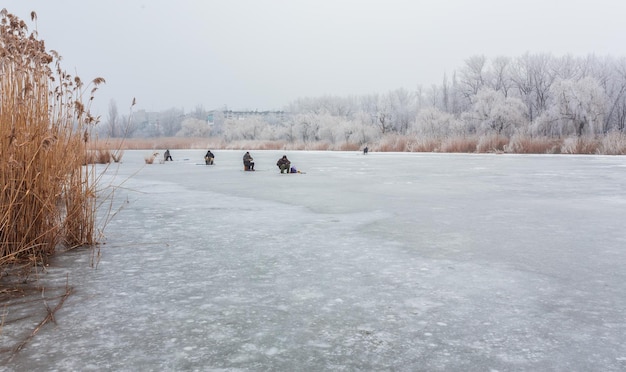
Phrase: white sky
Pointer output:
(263, 54)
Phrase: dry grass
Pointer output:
(99, 156)
(105, 151)
(580, 145)
(349, 147)
(160, 143)
(149, 159)
(270, 145)
(492, 143)
(47, 175)
(533, 145)
(180, 143)
(613, 143)
(317, 146)
(117, 155)
(48, 195)
(425, 144)
(459, 144)
(391, 143)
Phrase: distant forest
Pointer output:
(535, 103)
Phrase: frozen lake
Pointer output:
(379, 262)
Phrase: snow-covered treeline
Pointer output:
(534, 95)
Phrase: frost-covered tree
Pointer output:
(113, 123)
(492, 112)
(456, 99)
(306, 127)
(472, 77)
(351, 131)
(445, 94)
(402, 109)
(613, 82)
(243, 129)
(169, 121)
(498, 77)
(331, 105)
(531, 77)
(199, 113)
(384, 114)
(369, 109)
(420, 98)
(542, 77)
(579, 108)
(617, 109)
(192, 127)
(330, 130)
(366, 128)
(567, 67)
(434, 123)
(218, 119)
(270, 132)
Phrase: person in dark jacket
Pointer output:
(248, 162)
(283, 164)
(209, 157)
(167, 155)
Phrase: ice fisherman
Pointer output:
(365, 150)
(284, 164)
(167, 156)
(248, 162)
(209, 157)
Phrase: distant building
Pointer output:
(241, 115)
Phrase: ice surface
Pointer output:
(386, 261)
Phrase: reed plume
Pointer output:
(48, 194)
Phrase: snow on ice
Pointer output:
(385, 261)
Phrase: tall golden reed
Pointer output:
(48, 194)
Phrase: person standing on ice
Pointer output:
(167, 155)
(208, 158)
(283, 164)
(248, 162)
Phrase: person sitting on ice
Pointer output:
(208, 158)
(283, 164)
(248, 162)
(167, 156)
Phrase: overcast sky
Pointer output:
(263, 54)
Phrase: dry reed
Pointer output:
(613, 143)
(48, 195)
(149, 159)
(520, 144)
(392, 143)
(459, 144)
(425, 144)
(347, 146)
(580, 145)
(492, 143)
